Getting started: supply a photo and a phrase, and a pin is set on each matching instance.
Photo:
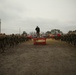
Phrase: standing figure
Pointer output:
(37, 31)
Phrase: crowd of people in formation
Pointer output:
(7, 41)
(69, 38)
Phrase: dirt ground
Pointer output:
(55, 58)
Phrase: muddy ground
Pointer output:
(55, 58)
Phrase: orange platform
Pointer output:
(39, 41)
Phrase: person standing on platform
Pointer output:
(37, 31)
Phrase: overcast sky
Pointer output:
(25, 15)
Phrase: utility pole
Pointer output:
(0, 25)
(19, 30)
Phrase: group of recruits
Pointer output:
(7, 41)
(12, 40)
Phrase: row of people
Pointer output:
(10, 40)
(70, 38)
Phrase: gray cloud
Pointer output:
(47, 14)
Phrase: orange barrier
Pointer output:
(39, 41)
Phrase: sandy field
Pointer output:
(54, 58)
